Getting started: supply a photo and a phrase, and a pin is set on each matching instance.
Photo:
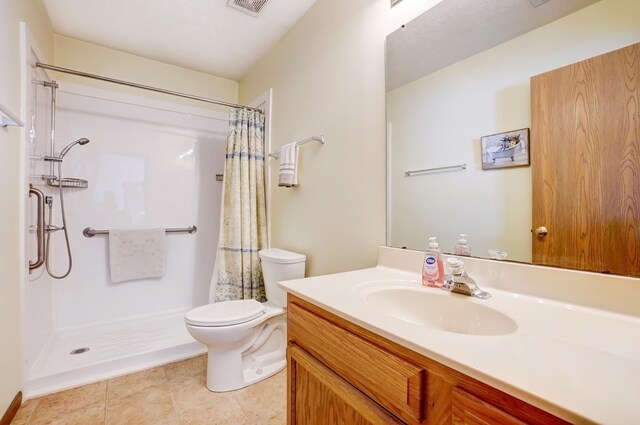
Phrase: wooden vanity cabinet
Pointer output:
(340, 373)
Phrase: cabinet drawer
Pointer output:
(397, 385)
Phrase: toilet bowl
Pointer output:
(246, 340)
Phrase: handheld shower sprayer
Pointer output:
(58, 159)
(81, 141)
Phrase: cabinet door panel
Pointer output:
(469, 410)
(317, 396)
(363, 364)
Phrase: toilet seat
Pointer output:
(225, 313)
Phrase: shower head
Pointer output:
(82, 141)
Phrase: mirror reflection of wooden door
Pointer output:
(585, 147)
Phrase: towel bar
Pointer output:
(427, 170)
(88, 232)
(302, 142)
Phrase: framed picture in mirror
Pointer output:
(505, 150)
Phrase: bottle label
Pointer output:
(430, 272)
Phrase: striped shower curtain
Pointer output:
(243, 226)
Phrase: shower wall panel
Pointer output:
(37, 292)
(149, 165)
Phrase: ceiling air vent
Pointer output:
(536, 3)
(252, 7)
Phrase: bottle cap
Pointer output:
(433, 243)
(463, 238)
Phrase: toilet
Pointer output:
(247, 339)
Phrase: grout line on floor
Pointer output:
(235, 397)
(173, 401)
(106, 399)
(33, 412)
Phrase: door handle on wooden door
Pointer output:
(541, 232)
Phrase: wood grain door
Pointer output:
(317, 396)
(585, 155)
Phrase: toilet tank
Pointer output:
(279, 265)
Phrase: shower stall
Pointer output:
(149, 164)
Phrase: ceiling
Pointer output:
(203, 35)
(454, 30)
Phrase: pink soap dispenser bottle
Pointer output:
(432, 266)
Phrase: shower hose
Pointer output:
(51, 229)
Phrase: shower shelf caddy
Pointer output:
(54, 181)
(68, 182)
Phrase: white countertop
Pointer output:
(579, 363)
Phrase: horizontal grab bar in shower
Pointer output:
(88, 232)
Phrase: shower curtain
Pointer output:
(243, 224)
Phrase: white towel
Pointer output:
(136, 254)
(288, 165)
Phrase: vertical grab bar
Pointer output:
(39, 228)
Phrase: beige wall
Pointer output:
(11, 145)
(327, 76)
(94, 59)
(438, 120)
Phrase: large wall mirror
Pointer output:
(462, 71)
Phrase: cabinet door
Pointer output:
(469, 410)
(317, 396)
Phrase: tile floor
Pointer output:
(170, 394)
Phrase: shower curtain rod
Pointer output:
(141, 86)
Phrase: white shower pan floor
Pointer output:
(115, 348)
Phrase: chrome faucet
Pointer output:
(460, 282)
(464, 285)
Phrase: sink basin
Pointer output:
(440, 310)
